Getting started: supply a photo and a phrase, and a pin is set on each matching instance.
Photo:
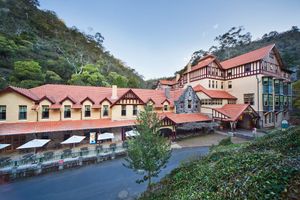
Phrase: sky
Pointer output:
(158, 37)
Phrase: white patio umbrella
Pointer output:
(131, 133)
(73, 139)
(2, 146)
(35, 143)
(105, 136)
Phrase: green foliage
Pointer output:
(149, 151)
(116, 79)
(90, 76)
(28, 33)
(267, 168)
(27, 74)
(296, 89)
(225, 141)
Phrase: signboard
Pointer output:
(92, 137)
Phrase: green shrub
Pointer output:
(225, 141)
(266, 168)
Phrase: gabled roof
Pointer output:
(68, 98)
(57, 93)
(205, 61)
(22, 91)
(87, 98)
(167, 82)
(233, 111)
(249, 57)
(214, 94)
(184, 117)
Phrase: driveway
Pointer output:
(207, 140)
(107, 180)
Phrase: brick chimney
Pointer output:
(114, 92)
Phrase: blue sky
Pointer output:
(157, 37)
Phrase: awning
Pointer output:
(2, 146)
(131, 133)
(73, 139)
(34, 144)
(106, 136)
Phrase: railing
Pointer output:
(48, 157)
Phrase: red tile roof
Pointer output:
(77, 94)
(214, 94)
(22, 91)
(167, 82)
(233, 111)
(184, 117)
(203, 62)
(55, 126)
(251, 56)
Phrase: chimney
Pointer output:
(114, 94)
(167, 92)
(177, 77)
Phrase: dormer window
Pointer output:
(45, 112)
(87, 110)
(105, 110)
(165, 107)
(67, 111)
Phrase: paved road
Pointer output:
(107, 180)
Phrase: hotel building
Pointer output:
(251, 90)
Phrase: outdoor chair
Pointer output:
(48, 155)
(113, 146)
(84, 151)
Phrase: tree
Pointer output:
(27, 74)
(296, 91)
(149, 151)
(117, 79)
(233, 37)
(52, 77)
(90, 76)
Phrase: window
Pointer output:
(87, 110)
(105, 110)
(181, 104)
(67, 111)
(229, 84)
(134, 111)
(209, 83)
(249, 98)
(123, 110)
(276, 100)
(247, 68)
(229, 72)
(2, 112)
(222, 85)
(45, 112)
(266, 101)
(189, 104)
(216, 84)
(213, 84)
(22, 112)
(165, 107)
(230, 101)
(150, 106)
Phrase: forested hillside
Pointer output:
(36, 47)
